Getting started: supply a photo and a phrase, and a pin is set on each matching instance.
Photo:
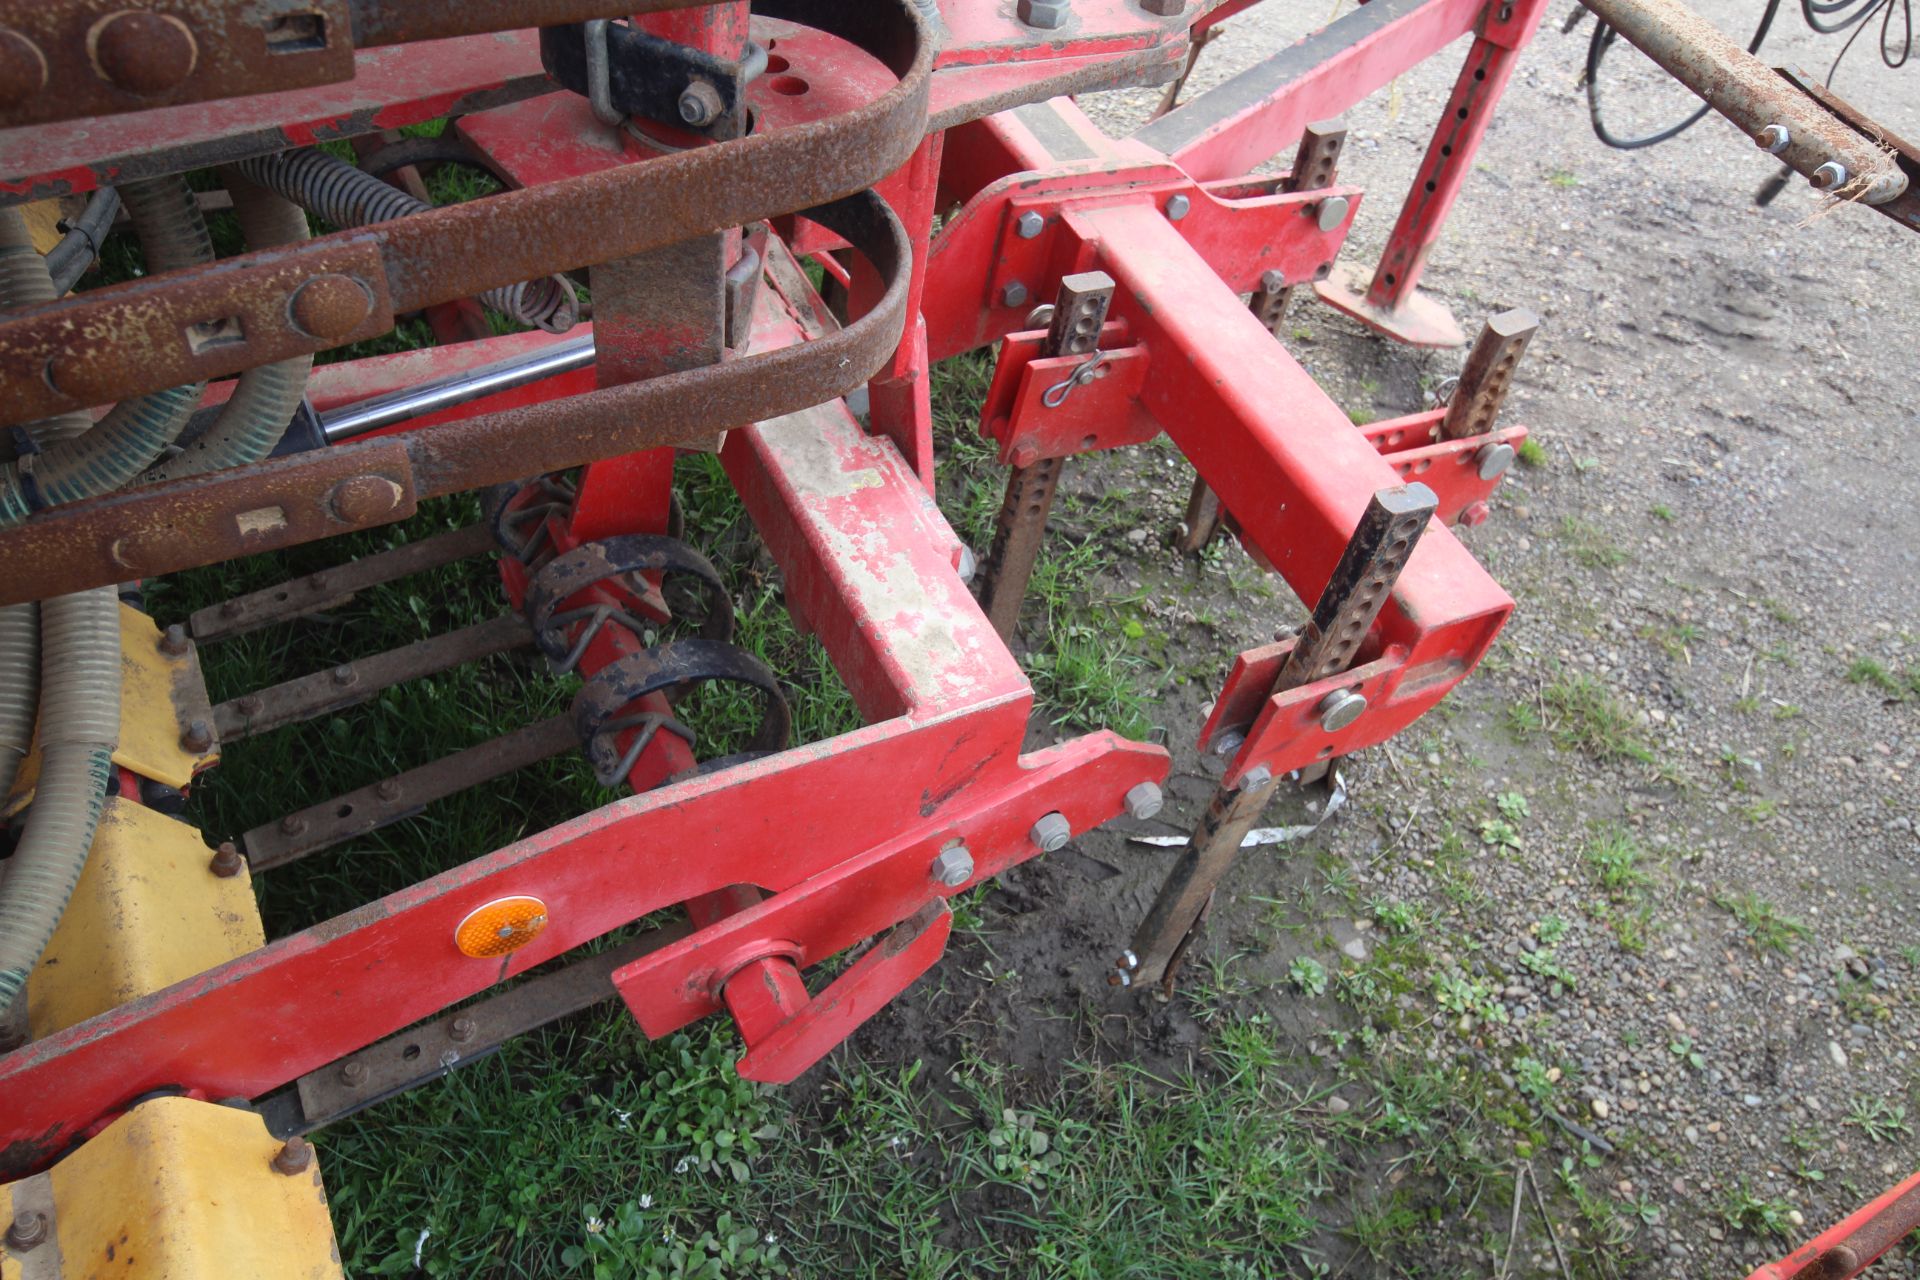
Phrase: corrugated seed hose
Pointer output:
(100, 457)
(79, 728)
(350, 197)
(78, 643)
(255, 416)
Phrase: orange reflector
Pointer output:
(503, 925)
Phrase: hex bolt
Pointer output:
(1273, 280)
(969, 563)
(1255, 778)
(1494, 459)
(1227, 741)
(1340, 709)
(700, 104)
(317, 583)
(354, 1074)
(293, 1158)
(1052, 832)
(387, 789)
(248, 705)
(231, 609)
(198, 738)
(1029, 224)
(461, 1029)
(28, 1230)
(344, 674)
(1177, 208)
(292, 825)
(1045, 15)
(1144, 800)
(952, 866)
(1773, 138)
(1830, 176)
(175, 643)
(1331, 212)
(1014, 295)
(226, 861)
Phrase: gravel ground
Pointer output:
(1721, 540)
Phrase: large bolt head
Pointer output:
(1331, 213)
(329, 306)
(1052, 832)
(1014, 295)
(1494, 459)
(143, 53)
(700, 104)
(1178, 207)
(23, 68)
(1046, 15)
(1340, 709)
(1029, 225)
(1144, 800)
(952, 866)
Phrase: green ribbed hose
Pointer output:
(255, 416)
(19, 686)
(116, 449)
(79, 728)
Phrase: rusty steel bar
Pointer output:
(351, 683)
(1487, 374)
(207, 322)
(1381, 544)
(1812, 142)
(387, 801)
(287, 501)
(330, 588)
(1078, 312)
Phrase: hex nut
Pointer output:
(1052, 832)
(1258, 776)
(1029, 224)
(1774, 138)
(173, 642)
(354, 1074)
(198, 738)
(1144, 799)
(1178, 207)
(700, 104)
(1044, 15)
(29, 1228)
(1340, 709)
(461, 1030)
(293, 1158)
(226, 861)
(1830, 176)
(1494, 459)
(952, 866)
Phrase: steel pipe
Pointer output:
(357, 419)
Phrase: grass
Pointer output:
(1766, 926)
(1531, 453)
(1613, 857)
(1578, 713)
(1589, 546)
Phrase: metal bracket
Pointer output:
(625, 72)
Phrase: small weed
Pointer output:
(1309, 975)
(1531, 453)
(1744, 1211)
(1534, 1079)
(1498, 833)
(1878, 1119)
(1022, 1151)
(1683, 1048)
(1550, 929)
(1588, 545)
(1876, 673)
(1662, 512)
(1579, 714)
(1766, 927)
(1512, 805)
(1613, 855)
(1563, 178)
(1543, 963)
(1395, 915)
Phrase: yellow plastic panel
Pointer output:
(178, 1190)
(159, 697)
(146, 914)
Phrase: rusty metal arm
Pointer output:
(287, 501)
(1814, 142)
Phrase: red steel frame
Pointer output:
(838, 848)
